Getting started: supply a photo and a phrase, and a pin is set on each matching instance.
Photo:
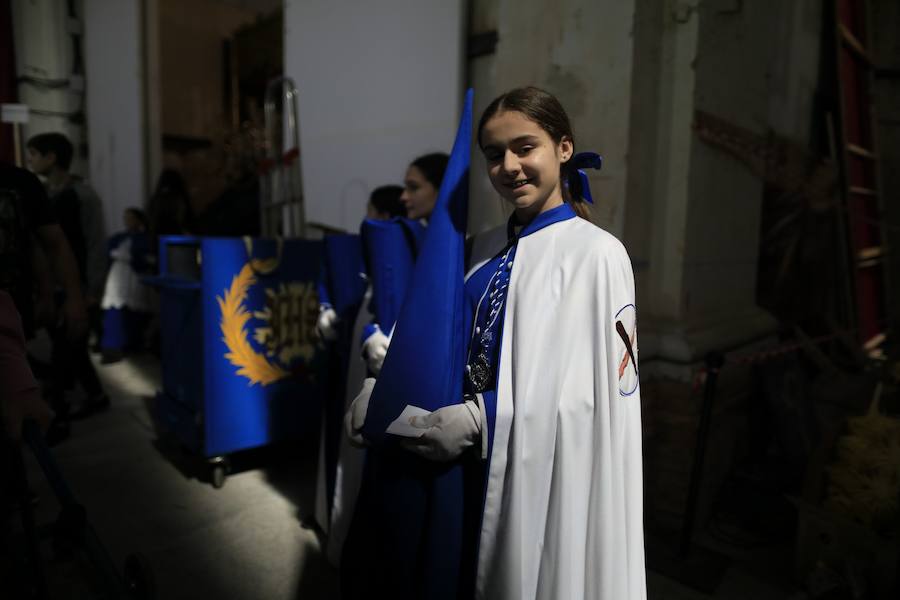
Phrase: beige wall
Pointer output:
(631, 74)
(580, 51)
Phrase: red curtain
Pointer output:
(7, 78)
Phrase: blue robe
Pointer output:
(389, 248)
(408, 533)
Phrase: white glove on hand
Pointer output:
(374, 350)
(326, 326)
(356, 414)
(449, 431)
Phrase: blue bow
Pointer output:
(581, 161)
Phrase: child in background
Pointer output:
(384, 204)
(127, 303)
(420, 190)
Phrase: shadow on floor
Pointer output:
(287, 466)
(318, 579)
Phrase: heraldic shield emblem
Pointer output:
(240, 364)
(626, 349)
(269, 334)
(262, 364)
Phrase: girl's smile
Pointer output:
(524, 162)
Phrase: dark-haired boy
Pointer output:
(79, 213)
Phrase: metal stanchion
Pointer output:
(714, 363)
(696, 567)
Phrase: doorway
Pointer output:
(210, 61)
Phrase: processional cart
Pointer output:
(241, 362)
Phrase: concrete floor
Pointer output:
(245, 541)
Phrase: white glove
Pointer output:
(356, 414)
(449, 431)
(374, 350)
(326, 326)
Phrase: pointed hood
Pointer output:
(390, 250)
(424, 366)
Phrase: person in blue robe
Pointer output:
(342, 289)
(389, 242)
(391, 252)
(407, 514)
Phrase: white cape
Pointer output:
(563, 517)
(348, 476)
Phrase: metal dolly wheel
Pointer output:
(219, 469)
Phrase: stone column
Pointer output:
(695, 231)
(114, 61)
(631, 75)
(692, 229)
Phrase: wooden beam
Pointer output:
(853, 43)
(861, 191)
(861, 152)
(870, 253)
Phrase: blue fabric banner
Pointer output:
(344, 271)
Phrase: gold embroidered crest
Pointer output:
(290, 316)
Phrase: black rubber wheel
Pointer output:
(219, 468)
(217, 475)
(138, 577)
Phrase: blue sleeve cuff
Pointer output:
(322, 290)
(368, 331)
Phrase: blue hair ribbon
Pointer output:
(581, 161)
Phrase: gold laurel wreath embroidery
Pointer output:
(251, 364)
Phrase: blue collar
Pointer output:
(554, 215)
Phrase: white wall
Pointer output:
(115, 104)
(380, 83)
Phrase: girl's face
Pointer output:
(419, 195)
(523, 162)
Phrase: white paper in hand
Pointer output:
(401, 425)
